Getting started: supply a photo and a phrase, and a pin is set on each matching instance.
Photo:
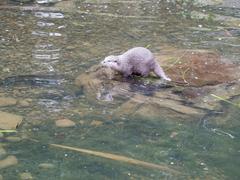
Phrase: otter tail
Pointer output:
(159, 71)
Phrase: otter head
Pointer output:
(111, 61)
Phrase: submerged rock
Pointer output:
(156, 108)
(7, 101)
(26, 176)
(99, 83)
(9, 121)
(46, 166)
(96, 123)
(24, 102)
(64, 123)
(8, 161)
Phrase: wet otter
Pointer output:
(138, 60)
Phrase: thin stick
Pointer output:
(119, 158)
(225, 100)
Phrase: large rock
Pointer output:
(196, 76)
(9, 121)
(198, 67)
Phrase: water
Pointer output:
(46, 44)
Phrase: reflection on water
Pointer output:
(47, 1)
(46, 54)
(46, 44)
(50, 15)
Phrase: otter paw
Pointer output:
(167, 79)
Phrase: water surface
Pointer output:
(45, 45)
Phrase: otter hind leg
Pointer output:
(159, 72)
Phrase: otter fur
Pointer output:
(138, 60)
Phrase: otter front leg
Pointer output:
(159, 71)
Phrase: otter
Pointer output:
(136, 61)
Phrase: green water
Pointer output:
(44, 49)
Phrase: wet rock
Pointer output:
(8, 161)
(198, 67)
(98, 82)
(46, 166)
(196, 74)
(7, 101)
(26, 176)
(9, 121)
(65, 123)
(206, 97)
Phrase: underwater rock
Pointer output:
(156, 108)
(96, 123)
(65, 123)
(8, 161)
(24, 102)
(206, 97)
(9, 121)
(25, 176)
(98, 82)
(7, 101)
(46, 166)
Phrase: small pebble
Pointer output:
(25, 176)
(65, 123)
(96, 123)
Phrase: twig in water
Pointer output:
(225, 100)
(119, 158)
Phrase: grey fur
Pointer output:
(138, 60)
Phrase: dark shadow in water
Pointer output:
(33, 80)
